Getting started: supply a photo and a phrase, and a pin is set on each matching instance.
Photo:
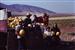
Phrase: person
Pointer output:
(38, 19)
(27, 20)
(45, 19)
(38, 35)
(56, 34)
(19, 31)
(18, 27)
(35, 19)
(34, 37)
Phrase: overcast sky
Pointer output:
(59, 6)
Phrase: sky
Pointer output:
(59, 6)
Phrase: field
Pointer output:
(67, 27)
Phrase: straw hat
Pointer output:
(21, 32)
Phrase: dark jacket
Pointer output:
(26, 22)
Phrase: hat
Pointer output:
(28, 14)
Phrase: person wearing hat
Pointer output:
(20, 33)
(27, 20)
(56, 34)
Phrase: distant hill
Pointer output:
(19, 9)
(16, 8)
